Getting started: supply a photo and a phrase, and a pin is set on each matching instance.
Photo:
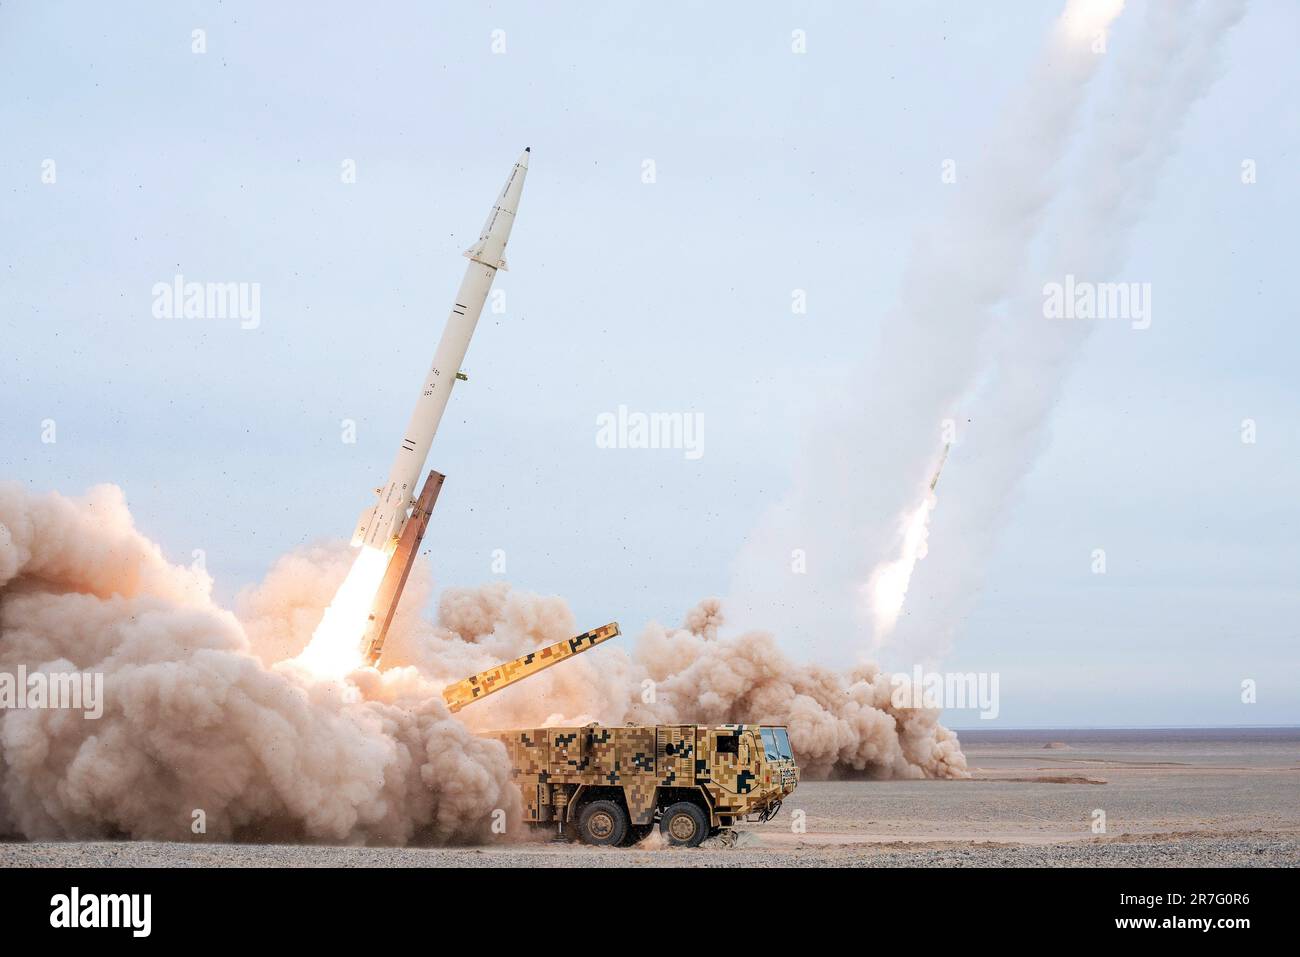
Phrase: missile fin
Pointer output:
(363, 525)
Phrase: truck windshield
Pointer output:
(769, 744)
(783, 743)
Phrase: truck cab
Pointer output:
(751, 771)
(779, 757)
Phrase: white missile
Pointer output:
(382, 522)
(942, 459)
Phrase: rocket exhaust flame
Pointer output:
(886, 588)
(335, 646)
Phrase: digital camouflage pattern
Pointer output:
(727, 768)
(494, 679)
(725, 774)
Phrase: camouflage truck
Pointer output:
(610, 786)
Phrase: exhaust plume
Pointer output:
(849, 498)
(969, 349)
(335, 647)
(1158, 80)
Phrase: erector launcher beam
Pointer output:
(399, 568)
(479, 686)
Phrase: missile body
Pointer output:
(942, 460)
(381, 523)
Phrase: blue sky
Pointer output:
(774, 172)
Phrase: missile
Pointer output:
(942, 460)
(380, 524)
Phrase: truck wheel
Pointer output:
(602, 823)
(684, 824)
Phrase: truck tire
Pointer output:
(684, 824)
(602, 823)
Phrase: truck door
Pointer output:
(728, 761)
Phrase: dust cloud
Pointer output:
(210, 731)
(197, 727)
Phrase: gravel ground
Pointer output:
(1236, 850)
(1167, 799)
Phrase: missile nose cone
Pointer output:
(492, 239)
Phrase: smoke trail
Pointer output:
(865, 466)
(1158, 80)
(207, 715)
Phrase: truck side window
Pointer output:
(728, 744)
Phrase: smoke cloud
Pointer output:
(208, 719)
(194, 719)
(968, 355)
(841, 724)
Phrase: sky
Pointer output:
(773, 171)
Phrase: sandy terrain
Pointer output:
(1169, 798)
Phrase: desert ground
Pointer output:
(1170, 798)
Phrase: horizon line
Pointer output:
(1130, 727)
